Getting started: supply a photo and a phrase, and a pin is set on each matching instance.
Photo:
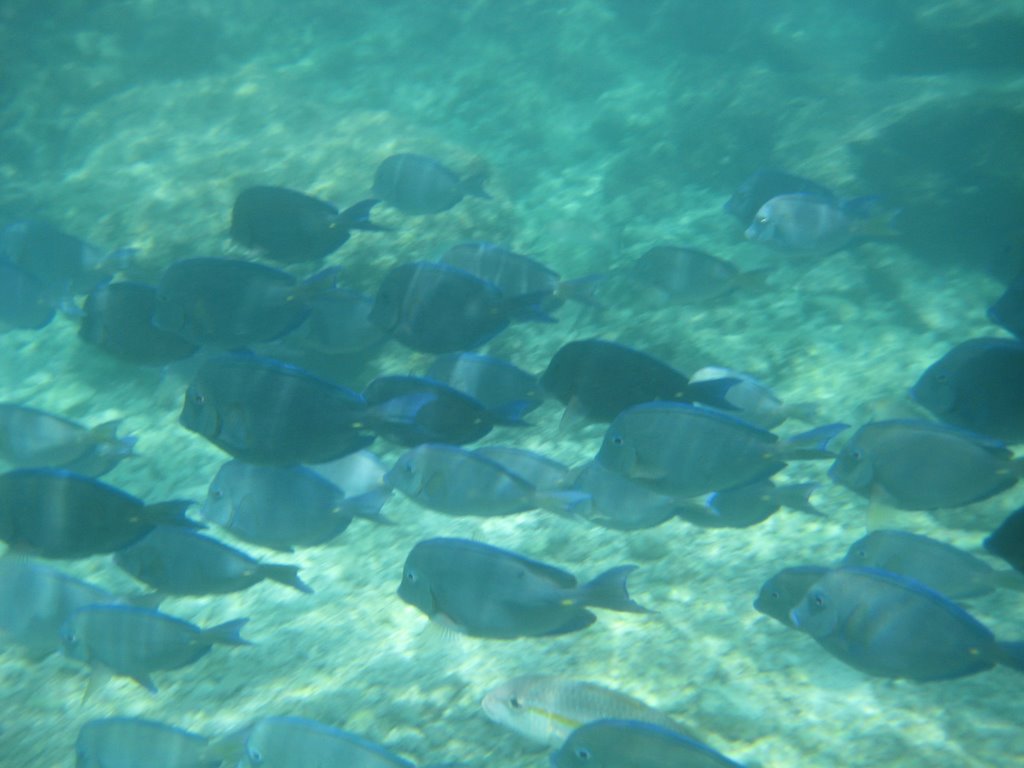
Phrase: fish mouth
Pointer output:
(794, 618)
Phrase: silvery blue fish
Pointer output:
(977, 385)
(761, 186)
(684, 450)
(752, 400)
(688, 275)
(484, 591)
(784, 591)
(119, 320)
(614, 743)
(135, 642)
(498, 384)
(910, 464)
(132, 742)
(284, 507)
(291, 227)
(264, 411)
(813, 224)
(175, 561)
(417, 184)
(606, 498)
(890, 626)
(59, 514)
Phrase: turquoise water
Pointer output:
(607, 127)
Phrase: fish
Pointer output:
(501, 386)
(596, 380)
(615, 743)
(752, 400)
(229, 303)
(290, 227)
(784, 591)
(1008, 310)
(284, 507)
(412, 410)
(920, 465)
(942, 567)
(761, 186)
(118, 319)
(176, 561)
(1007, 541)
(689, 275)
(297, 742)
(889, 626)
(435, 308)
(455, 481)
(24, 302)
(518, 275)
(338, 324)
(483, 591)
(606, 498)
(264, 411)
(35, 601)
(418, 185)
(807, 223)
(30, 437)
(977, 386)
(542, 472)
(54, 513)
(358, 473)
(748, 505)
(63, 264)
(130, 742)
(547, 709)
(135, 642)
(685, 450)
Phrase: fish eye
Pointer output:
(776, 595)
(762, 219)
(819, 601)
(617, 440)
(515, 703)
(410, 577)
(198, 398)
(216, 494)
(582, 753)
(255, 756)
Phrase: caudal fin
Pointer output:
(368, 506)
(474, 186)
(797, 496)
(358, 217)
(1011, 655)
(226, 633)
(170, 513)
(285, 574)
(609, 591)
(812, 444)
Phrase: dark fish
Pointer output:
(761, 186)
(290, 227)
(784, 591)
(56, 513)
(24, 303)
(135, 642)
(636, 744)
(1008, 311)
(1007, 541)
(267, 412)
(891, 626)
(946, 569)
(977, 385)
(484, 591)
(131, 742)
(295, 742)
(284, 507)
(227, 302)
(752, 401)
(498, 384)
(175, 561)
(411, 410)
(119, 320)
(338, 324)
(684, 450)
(596, 380)
(416, 184)
(35, 600)
(30, 437)
(814, 224)
(689, 275)
(912, 464)
(62, 263)
(436, 308)
(748, 505)
(518, 275)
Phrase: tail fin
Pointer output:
(797, 496)
(474, 185)
(170, 513)
(753, 280)
(105, 434)
(1010, 655)
(609, 591)
(285, 574)
(581, 289)
(812, 444)
(1009, 580)
(358, 217)
(567, 503)
(368, 505)
(226, 633)
(529, 307)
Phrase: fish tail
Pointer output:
(358, 217)
(529, 307)
(368, 505)
(870, 217)
(753, 280)
(512, 413)
(170, 513)
(609, 591)
(808, 413)
(285, 574)
(567, 503)
(798, 496)
(713, 392)
(582, 290)
(226, 633)
(812, 444)
(106, 434)
(474, 185)
(1009, 580)
(1010, 655)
